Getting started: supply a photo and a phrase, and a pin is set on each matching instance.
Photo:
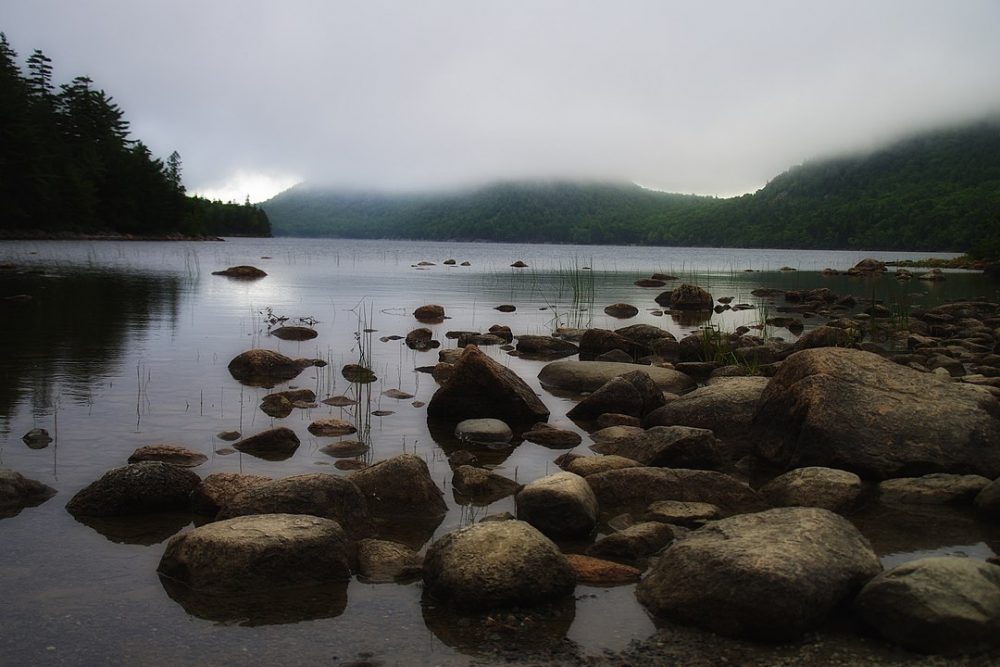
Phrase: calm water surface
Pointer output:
(126, 344)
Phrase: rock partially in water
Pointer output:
(18, 492)
(484, 431)
(944, 605)
(559, 505)
(636, 488)
(834, 490)
(621, 310)
(382, 561)
(219, 488)
(265, 368)
(316, 494)
(545, 347)
(331, 427)
(867, 265)
(934, 489)
(988, 500)
(690, 297)
(549, 436)
(173, 454)
(856, 411)
(479, 486)
(243, 271)
(421, 339)
(496, 564)
(633, 393)
(480, 387)
(295, 333)
(250, 554)
(585, 376)
(595, 342)
(228, 436)
(430, 313)
(344, 448)
(772, 575)
(37, 438)
(276, 444)
(634, 543)
(281, 403)
(358, 374)
(138, 488)
(400, 486)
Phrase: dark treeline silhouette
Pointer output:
(67, 165)
(937, 191)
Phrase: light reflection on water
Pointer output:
(126, 344)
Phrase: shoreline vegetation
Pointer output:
(70, 169)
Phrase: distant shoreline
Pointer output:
(25, 235)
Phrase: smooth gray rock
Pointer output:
(250, 554)
(772, 575)
(936, 605)
(496, 564)
(559, 505)
(484, 431)
(856, 411)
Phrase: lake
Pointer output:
(125, 344)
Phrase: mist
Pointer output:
(707, 98)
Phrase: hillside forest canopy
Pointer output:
(69, 166)
(936, 191)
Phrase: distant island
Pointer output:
(937, 191)
(68, 168)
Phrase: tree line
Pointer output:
(936, 191)
(68, 165)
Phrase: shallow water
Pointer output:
(126, 344)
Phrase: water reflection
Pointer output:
(74, 330)
(291, 605)
(512, 630)
(145, 530)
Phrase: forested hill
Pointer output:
(935, 191)
(69, 166)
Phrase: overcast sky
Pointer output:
(700, 96)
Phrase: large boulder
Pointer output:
(667, 446)
(138, 488)
(18, 492)
(496, 564)
(559, 505)
(637, 488)
(478, 386)
(586, 376)
(316, 494)
(856, 411)
(401, 485)
(690, 297)
(725, 406)
(276, 444)
(772, 575)
(265, 368)
(250, 554)
(834, 490)
(936, 605)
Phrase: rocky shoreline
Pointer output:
(726, 468)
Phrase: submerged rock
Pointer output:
(18, 492)
(600, 572)
(772, 575)
(138, 488)
(496, 564)
(243, 271)
(173, 454)
(276, 444)
(250, 554)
